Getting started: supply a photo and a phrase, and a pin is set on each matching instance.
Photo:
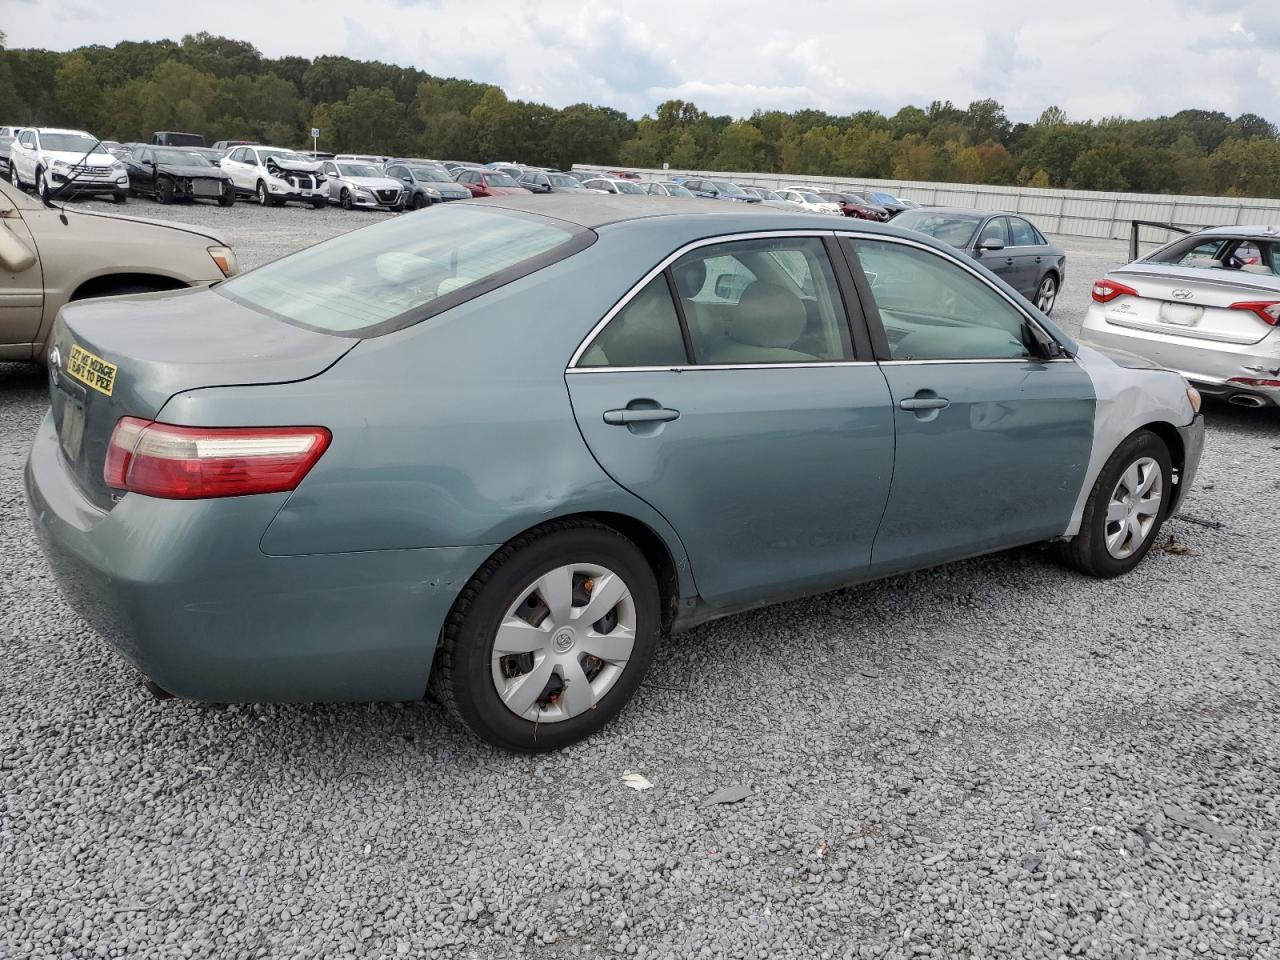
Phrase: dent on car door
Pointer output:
(747, 420)
(993, 431)
(21, 285)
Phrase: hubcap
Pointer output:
(1048, 294)
(564, 642)
(1134, 506)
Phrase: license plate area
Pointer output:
(71, 420)
(1180, 314)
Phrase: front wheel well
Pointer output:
(1172, 440)
(114, 283)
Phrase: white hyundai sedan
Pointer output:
(1206, 305)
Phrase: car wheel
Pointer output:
(42, 185)
(1125, 509)
(264, 198)
(120, 196)
(228, 195)
(345, 199)
(419, 201)
(550, 638)
(1047, 295)
(13, 175)
(164, 190)
(319, 203)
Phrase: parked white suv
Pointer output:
(65, 161)
(275, 175)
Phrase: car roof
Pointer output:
(83, 133)
(974, 212)
(1258, 231)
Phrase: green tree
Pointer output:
(740, 148)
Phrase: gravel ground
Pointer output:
(996, 758)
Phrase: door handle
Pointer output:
(924, 403)
(642, 415)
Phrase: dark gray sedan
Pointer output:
(1008, 245)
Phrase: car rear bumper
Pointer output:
(1216, 369)
(182, 590)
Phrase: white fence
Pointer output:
(1079, 213)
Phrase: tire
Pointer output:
(419, 201)
(13, 176)
(1047, 293)
(344, 199)
(1090, 551)
(42, 186)
(228, 196)
(466, 674)
(164, 190)
(120, 196)
(264, 198)
(319, 203)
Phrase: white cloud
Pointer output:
(1094, 58)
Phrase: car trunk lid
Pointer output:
(126, 356)
(1172, 301)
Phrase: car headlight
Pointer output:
(60, 165)
(1193, 395)
(117, 165)
(225, 258)
(432, 192)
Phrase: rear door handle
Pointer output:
(642, 415)
(924, 403)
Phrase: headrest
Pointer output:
(767, 315)
(690, 275)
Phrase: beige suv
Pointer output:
(49, 256)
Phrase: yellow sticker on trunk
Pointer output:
(91, 370)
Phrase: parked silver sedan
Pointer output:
(1206, 305)
(352, 184)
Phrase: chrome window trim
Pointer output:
(1036, 360)
(969, 268)
(692, 367)
(666, 262)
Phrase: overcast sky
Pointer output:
(1094, 58)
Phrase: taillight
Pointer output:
(1267, 310)
(191, 463)
(1104, 291)
(1255, 382)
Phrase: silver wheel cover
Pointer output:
(571, 630)
(1134, 507)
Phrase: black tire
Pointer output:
(42, 188)
(344, 199)
(1087, 551)
(1047, 293)
(164, 190)
(264, 198)
(228, 196)
(419, 201)
(120, 196)
(13, 176)
(462, 677)
(318, 203)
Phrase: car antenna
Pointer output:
(48, 201)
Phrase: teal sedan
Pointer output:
(497, 449)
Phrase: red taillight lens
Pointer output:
(1255, 382)
(1104, 291)
(191, 463)
(1267, 310)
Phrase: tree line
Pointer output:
(226, 89)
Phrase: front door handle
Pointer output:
(924, 403)
(640, 415)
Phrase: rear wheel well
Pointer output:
(1169, 435)
(117, 283)
(647, 541)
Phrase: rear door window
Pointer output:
(1022, 233)
(644, 333)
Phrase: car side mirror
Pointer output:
(991, 243)
(15, 255)
(724, 286)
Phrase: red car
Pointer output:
(852, 205)
(623, 175)
(490, 183)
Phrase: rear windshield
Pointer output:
(1222, 253)
(956, 229)
(396, 273)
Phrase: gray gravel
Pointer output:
(997, 758)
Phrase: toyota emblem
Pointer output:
(1182, 294)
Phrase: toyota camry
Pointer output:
(499, 448)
